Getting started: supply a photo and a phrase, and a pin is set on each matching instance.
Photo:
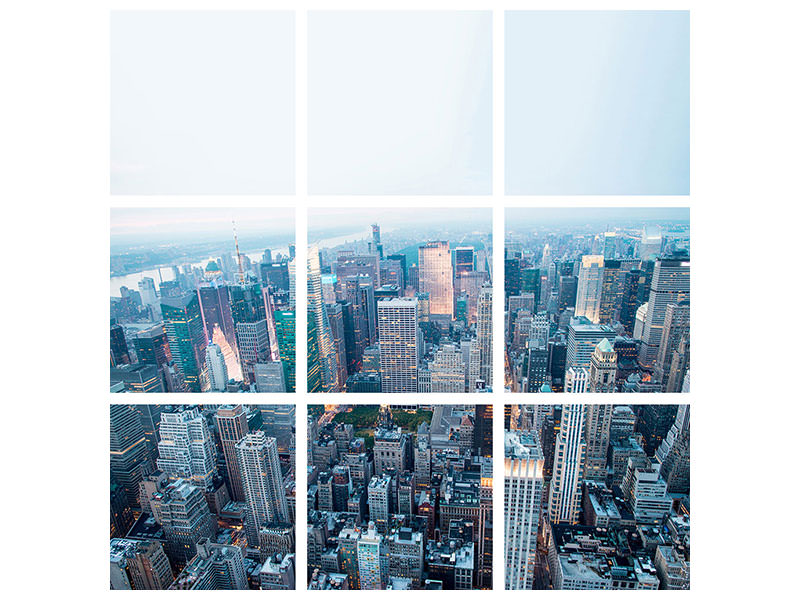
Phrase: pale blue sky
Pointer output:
(202, 102)
(400, 102)
(597, 102)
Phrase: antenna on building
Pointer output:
(238, 254)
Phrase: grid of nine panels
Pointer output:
(303, 204)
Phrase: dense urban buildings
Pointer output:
(202, 497)
(597, 300)
(597, 497)
(197, 302)
(399, 497)
(405, 309)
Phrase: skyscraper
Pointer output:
(603, 368)
(524, 488)
(186, 450)
(373, 560)
(597, 426)
(232, 427)
(129, 461)
(216, 368)
(564, 503)
(436, 276)
(327, 365)
(590, 288)
(262, 483)
(186, 334)
(670, 285)
(397, 336)
(483, 334)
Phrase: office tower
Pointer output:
(524, 488)
(564, 503)
(576, 381)
(390, 450)
(639, 321)
(623, 422)
(216, 310)
(121, 515)
(676, 328)
(137, 377)
(422, 457)
(603, 368)
(359, 292)
(186, 334)
(349, 264)
(464, 258)
(654, 422)
(673, 453)
(447, 370)
(406, 555)
(610, 239)
(436, 276)
(119, 347)
(469, 283)
(215, 567)
(152, 346)
(186, 450)
(557, 364)
(128, 451)
(314, 374)
(182, 511)
(249, 312)
(397, 338)
(612, 288)
(670, 285)
(582, 339)
(483, 334)
(632, 291)
(232, 426)
(326, 351)
(597, 424)
(482, 440)
(336, 320)
(650, 245)
(373, 560)
(392, 274)
(275, 275)
(531, 283)
(406, 495)
(270, 378)
(285, 333)
(590, 288)
(262, 483)
(147, 290)
(378, 494)
(139, 565)
(512, 276)
(537, 369)
(567, 291)
(678, 377)
(216, 368)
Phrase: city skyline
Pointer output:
(202, 497)
(597, 496)
(597, 300)
(399, 497)
(403, 312)
(203, 315)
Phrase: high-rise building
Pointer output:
(590, 288)
(129, 456)
(326, 359)
(524, 489)
(673, 453)
(483, 334)
(186, 334)
(564, 503)
(215, 567)
(182, 511)
(262, 483)
(676, 328)
(597, 426)
(436, 276)
(139, 565)
(482, 436)
(232, 426)
(397, 338)
(603, 368)
(186, 450)
(378, 494)
(583, 336)
(447, 370)
(373, 560)
(670, 285)
(119, 347)
(285, 333)
(216, 368)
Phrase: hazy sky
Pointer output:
(519, 216)
(321, 219)
(202, 102)
(400, 102)
(597, 102)
(132, 225)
